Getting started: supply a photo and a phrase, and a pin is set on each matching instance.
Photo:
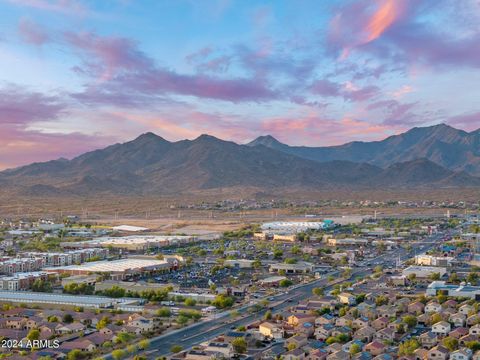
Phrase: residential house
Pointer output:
(347, 298)
(461, 354)
(297, 340)
(474, 330)
(380, 323)
(416, 308)
(295, 354)
(458, 319)
(433, 307)
(465, 309)
(365, 334)
(438, 352)
(271, 330)
(428, 339)
(225, 349)
(458, 332)
(441, 328)
(375, 347)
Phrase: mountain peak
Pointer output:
(148, 137)
(266, 140)
(207, 138)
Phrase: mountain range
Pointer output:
(438, 156)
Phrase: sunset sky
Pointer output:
(79, 75)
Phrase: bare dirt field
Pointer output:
(184, 213)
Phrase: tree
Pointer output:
(472, 278)
(164, 312)
(67, 318)
(435, 318)
(221, 301)
(239, 345)
(176, 349)
(291, 346)
(277, 254)
(381, 300)
(190, 302)
(104, 321)
(408, 347)
(450, 343)
(118, 354)
(33, 334)
(144, 344)
(114, 292)
(77, 354)
(473, 345)
(317, 291)
(435, 276)
(132, 349)
(268, 315)
(410, 320)
(124, 337)
(285, 283)
(42, 286)
(355, 349)
(182, 320)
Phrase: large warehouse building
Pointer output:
(98, 302)
(131, 243)
(117, 269)
(295, 226)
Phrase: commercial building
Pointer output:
(97, 302)
(117, 269)
(272, 281)
(297, 268)
(428, 260)
(293, 227)
(423, 272)
(129, 228)
(462, 290)
(240, 263)
(347, 242)
(131, 243)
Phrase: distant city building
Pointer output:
(463, 290)
(295, 226)
(428, 260)
(297, 268)
(424, 271)
(116, 269)
(132, 243)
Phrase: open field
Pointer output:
(185, 212)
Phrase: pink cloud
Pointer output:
(469, 122)
(317, 131)
(362, 22)
(19, 107)
(71, 7)
(118, 66)
(32, 33)
(19, 110)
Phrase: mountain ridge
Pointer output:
(150, 164)
(452, 148)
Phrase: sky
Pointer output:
(81, 75)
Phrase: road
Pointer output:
(203, 331)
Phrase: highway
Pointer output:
(197, 333)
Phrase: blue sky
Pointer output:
(78, 75)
